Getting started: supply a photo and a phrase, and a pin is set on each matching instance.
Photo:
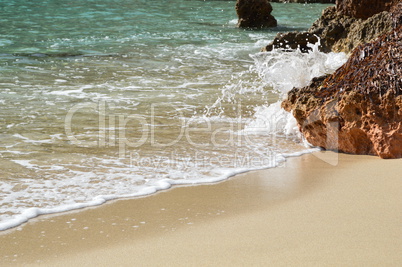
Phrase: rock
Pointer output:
(363, 9)
(358, 109)
(396, 14)
(292, 41)
(255, 14)
(305, 1)
(339, 32)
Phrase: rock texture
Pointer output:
(358, 109)
(342, 33)
(305, 1)
(396, 14)
(255, 14)
(363, 9)
(292, 41)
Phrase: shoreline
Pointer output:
(163, 185)
(305, 212)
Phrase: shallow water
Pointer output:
(104, 99)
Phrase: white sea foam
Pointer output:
(29, 213)
(27, 140)
(26, 164)
(273, 119)
(122, 181)
(285, 70)
(49, 174)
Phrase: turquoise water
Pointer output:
(105, 99)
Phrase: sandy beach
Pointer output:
(322, 209)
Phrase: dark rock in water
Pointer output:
(255, 14)
(358, 109)
(292, 41)
(363, 9)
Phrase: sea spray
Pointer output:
(284, 70)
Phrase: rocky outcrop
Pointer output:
(339, 32)
(363, 9)
(396, 14)
(305, 1)
(292, 41)
(255, 14)
(358, 109)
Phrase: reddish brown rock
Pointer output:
(305, 1)
(358, 109)
(255, 14)
(363, 9)
(396, 14)
(341, 33)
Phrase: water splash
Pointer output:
(283, 71)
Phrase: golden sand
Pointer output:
(305, 213)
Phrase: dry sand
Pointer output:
(305, 213)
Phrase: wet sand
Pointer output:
(322, 209)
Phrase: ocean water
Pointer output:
(101, 99)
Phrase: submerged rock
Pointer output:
(255, 14)
(358, 109)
